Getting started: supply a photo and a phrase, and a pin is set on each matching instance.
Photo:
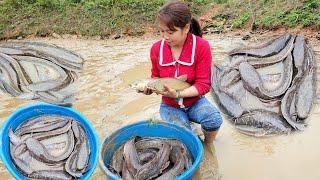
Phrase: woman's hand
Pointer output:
(147, 91)
(169, 92)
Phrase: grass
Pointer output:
(85, 17)
(133, 17)
(241, 20)
(269, 14)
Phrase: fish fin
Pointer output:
(183, 77)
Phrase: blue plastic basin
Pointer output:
(30, 111)
(151, 129)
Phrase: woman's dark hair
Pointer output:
(176, 13)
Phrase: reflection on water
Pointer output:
(106, 99)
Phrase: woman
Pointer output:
(182, 52)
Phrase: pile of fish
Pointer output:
(50, 147)
(150, 158)
(267, 89)
(34, 70)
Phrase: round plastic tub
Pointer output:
(151, 129)
(24, 113)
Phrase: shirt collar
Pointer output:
(186, 56)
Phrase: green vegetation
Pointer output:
(135, 17)
(241, 20)
(268, 14)
(85, 17)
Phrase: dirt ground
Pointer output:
(106, 99)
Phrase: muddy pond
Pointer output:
(106, 99)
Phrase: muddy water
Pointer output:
(106, 99)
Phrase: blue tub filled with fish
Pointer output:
(151, 149)
(42, 141)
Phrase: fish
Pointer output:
(267, 61)
(260, 62)
(42, 126)
(285, 81)
(250, 82)
(229, 77)
(298, 100)
(8, 77)
(42, 74)
(62, 144)
(177, 158)
(63, 150)
(270, 48)
(229, 104)
(154, 157)
(305, 92)
(18, 149)
(36, 165)
(125, 173)
(286, 108)
(148, 143)
(71, 163)
(42, 71)
(40, 121)
(22, 79)
(299, 53)
(23, 166)
(84, 152)
(7, 88)
(56, 98)
(184, 150)
(50, 175)
(152, 144)
(117, 159)
(14, 139)
(39, 151)
(154, 167)
(157, 84)
(253, 82)
(146, 156)
(45, 135)
(56, 54)
(76, 129)
(262, 123)
(76, 163)
(130, 156)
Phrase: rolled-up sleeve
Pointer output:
(154, 61)
(203, 69)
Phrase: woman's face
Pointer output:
(174, 38)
